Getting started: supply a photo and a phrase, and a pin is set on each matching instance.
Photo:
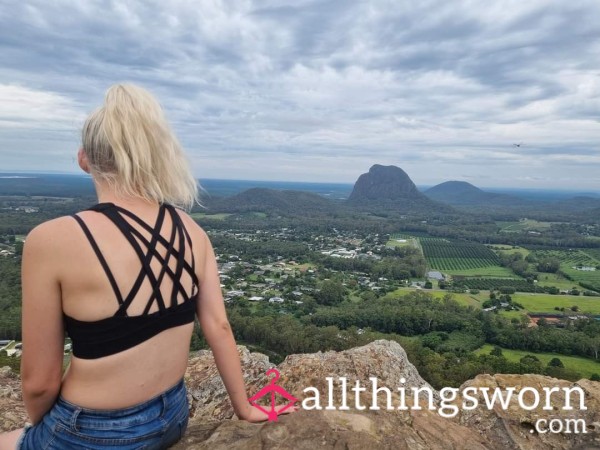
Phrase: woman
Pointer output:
(125, 278)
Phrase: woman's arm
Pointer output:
(42, 322)
(215, 326)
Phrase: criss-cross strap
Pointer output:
(113, 212)
(145, 258)
(100, 256)
(190, 269)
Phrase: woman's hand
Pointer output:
(252, 414)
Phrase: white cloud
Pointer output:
(22, 107)
(318, 90)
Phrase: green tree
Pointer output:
(496, 351)
(331, 293)
(555, 362)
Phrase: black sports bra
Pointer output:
(95, 339)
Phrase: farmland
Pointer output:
(464, 299)
(401, 240)
(483, 272)
(495, 283)
(456, 256)
(571, 259)
(546, 303)
(221, 216)
(523, 225)
(584, 366)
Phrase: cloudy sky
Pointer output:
(318, 90)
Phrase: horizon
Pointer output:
(350, 184)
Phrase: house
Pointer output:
(234, 294)
(276, 300)
(256, 298)
(435, 275)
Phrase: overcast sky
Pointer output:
(319, 90)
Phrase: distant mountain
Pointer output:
(266, 200)
(389, 187)
(461, 193)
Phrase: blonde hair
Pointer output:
(129, 144)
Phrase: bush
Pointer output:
(555, 362)
(496, 351)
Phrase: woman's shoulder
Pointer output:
(50, 234)
(192, 226)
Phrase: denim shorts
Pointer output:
(155, 424)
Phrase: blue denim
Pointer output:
(156, 424)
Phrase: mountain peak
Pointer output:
(455, 187)
(383, 183)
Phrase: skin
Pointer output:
(60, 272)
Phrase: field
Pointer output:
(464, 299)
(556, 280)
(569, 259)
(523, 225)
(456, 256)
(545, 303)
(483, 272)
(592, 252)
(220, 216)
(509, 249)
(586, 367)
(513, 314)
(534, 303)
(400, 240)
(494, 283)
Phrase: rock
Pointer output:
(6, 372)
(12, 410)
(384, 183)
(213, 426)
(389, 188)
(515, 426)
(207, 394)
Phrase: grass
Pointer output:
(523, 225)
(506, 249)
(546, 302)
(463, 299)
(586, 367)
(220, 216)
(534, 303)
(484, 272)
(394, 242)
(513, 314)
(258, 214)
(572, 258)
(552, 279)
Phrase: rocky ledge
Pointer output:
(213, 425)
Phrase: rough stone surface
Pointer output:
(514, 427)
(12, 410)
(207, 395)
(213, 425)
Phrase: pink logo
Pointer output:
(272, 389)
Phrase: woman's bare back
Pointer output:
(149, 368)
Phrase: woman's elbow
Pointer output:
(39, 383)
(216, 328)
(40, 389)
